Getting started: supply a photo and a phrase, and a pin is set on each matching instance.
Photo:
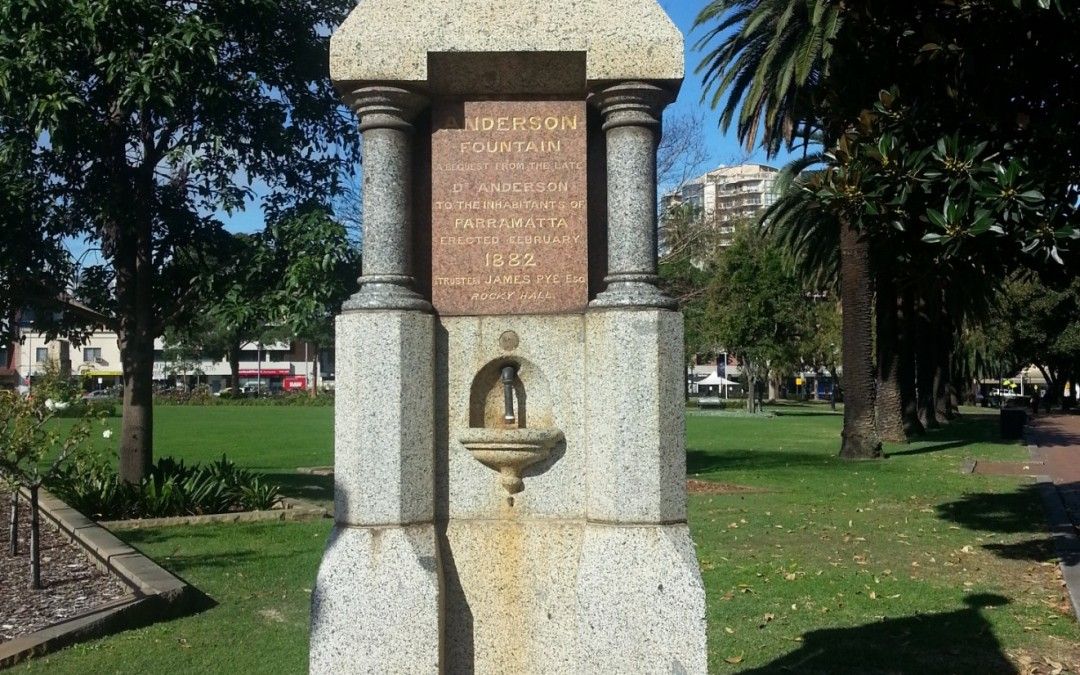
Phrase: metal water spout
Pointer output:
(508, 374)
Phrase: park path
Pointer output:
(1055, 441)
(1057, 438)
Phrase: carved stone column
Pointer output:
(631, 112)
(386, 115)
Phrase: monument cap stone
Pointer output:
(390, 41)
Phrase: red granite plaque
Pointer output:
(508, 226)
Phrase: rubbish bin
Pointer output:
(1012, 423)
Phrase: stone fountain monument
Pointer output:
(509, 464)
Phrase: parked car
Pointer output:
(100, 395)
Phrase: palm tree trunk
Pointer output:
(943, 365)
(905, 340)
(859, 438)
(925, 366)
(889, 401)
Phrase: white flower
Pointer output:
(49, 405)
(107, 433)
(61, 405)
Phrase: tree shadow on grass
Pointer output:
(702, 461)
(1007, 513)
(1018, 512)
(950, 642)
(925, 449)
(225, 560)
(781, 412)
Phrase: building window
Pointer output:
(3, 356)
(41, 355)
(91, 354)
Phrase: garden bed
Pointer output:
(151, 593)
(73, 584)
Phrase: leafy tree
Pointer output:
(774, 71)
(148, 117)
(951, 154)
(757, 309)
(1037, 320)
(317, 268)
(33, 451)
(235, 297)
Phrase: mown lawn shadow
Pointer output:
(926, 449)
(950, 642)
(702, 461)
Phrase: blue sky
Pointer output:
(723, 148)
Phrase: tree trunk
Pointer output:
(925, 366)
(905, 341)
(314, 372)
(889, 401)
(13, 526)
(751, 394)
(133, 263)
(234, 367)
(833, 385)
(859, 438)
(35, 541)
(943, 366)
(774, 387)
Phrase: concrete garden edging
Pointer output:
(156, 593)
(293, 510)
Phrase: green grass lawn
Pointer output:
(903, 565)
(274, 440)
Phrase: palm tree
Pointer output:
(768, 71)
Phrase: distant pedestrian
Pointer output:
(1035, 398)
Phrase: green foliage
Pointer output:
(1035, 320)
(761, 58)
(32, 450)
(172, 489)
(947, 149)
(757, 309)
(315, 266)
(204, 398)
(142, 120)
(52, 385)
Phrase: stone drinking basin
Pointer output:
(510, 451)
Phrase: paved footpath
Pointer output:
(1055, 441)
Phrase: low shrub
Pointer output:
(721, 404)
(292, 398)
(87, 409)
(171, 489)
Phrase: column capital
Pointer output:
(384, 107)
(631, 104)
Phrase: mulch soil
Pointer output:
(73, 585)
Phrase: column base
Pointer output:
(640, 601)
(377, 602)
(386, 292)
(633, 291)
